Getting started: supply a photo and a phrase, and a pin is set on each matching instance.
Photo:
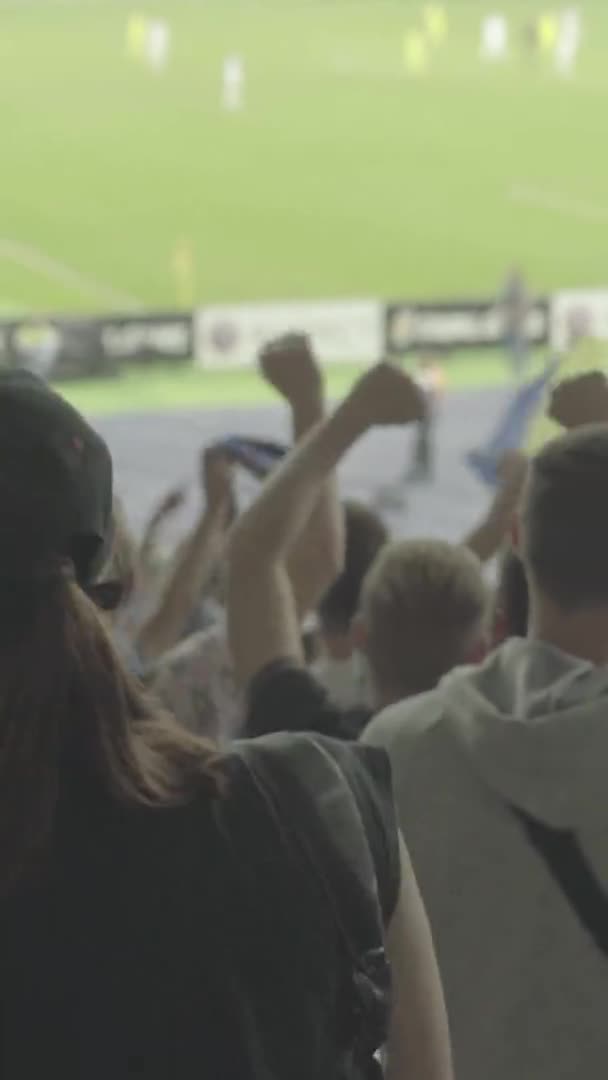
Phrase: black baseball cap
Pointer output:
(55, 483)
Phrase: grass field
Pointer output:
(341, 176)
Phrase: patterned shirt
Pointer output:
(197, 683)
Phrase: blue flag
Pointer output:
(258, 456)
(512, 427)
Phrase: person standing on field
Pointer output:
(233, 83)
(431, 380)
(494, 42)
(515, 303)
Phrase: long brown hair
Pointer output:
(68, 708)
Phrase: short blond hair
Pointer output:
(425, 606)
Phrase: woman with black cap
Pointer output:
(166, 911)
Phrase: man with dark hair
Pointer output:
(512, 604)
(365, 535)
(501, 777)
(341, 667)
(565, 524)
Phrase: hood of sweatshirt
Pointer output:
(533, 723)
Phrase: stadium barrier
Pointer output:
(578, 313)
(60, 348)
(349, 331)
(229, 336)
(454, 324)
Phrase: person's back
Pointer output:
(525, 985)
(148, 946)
(166, 910)
(501, 776)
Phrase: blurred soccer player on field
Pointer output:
(233, 83)
(435, 19)
(531, 36)
(158, 44)
(137, 30)
(548, 32)
(184, 273)
(568, 42)
(514, 301)
(415, 53)
(430, 378)
(494, 38)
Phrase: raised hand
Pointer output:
(512, 473)
(216, 476)
(580, 400)
(289, 365)
(387, 395)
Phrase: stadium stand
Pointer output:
(201, 869)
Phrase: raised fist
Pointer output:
(387, 395)
(289, 365)
(580, 400)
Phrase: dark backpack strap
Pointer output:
(311, 793)
(560, 851)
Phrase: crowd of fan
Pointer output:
(207, 866)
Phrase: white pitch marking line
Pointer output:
(31, 258)
(558, 203)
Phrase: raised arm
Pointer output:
(170, 503)
(262, 612)
(316, 558)
(575, 402)
(489, 535)
(419, 1041)
(196, 560)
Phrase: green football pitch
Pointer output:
(342, 175)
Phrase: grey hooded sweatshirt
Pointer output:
(525, 984)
